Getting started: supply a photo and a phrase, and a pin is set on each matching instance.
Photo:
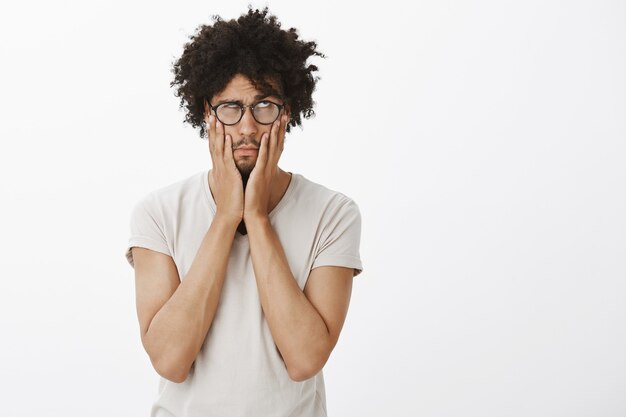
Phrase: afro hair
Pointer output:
(255, 46)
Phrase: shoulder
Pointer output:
(320, 197)
(171, 195)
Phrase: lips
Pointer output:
(246, 150)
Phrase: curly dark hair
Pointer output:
(255, 46)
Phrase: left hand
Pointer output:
(259, 186)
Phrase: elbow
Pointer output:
(171, 370)
(299, 374)
(175, 374)
(169, 365)
(306, 367)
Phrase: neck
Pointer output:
(279, 187)
(281, 182)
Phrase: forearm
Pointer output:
(298, 330)
(179, 328)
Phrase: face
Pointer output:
(248, 131)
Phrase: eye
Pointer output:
(231, 105)
(263, 103)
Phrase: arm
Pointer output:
(305, 325)
(175, 316)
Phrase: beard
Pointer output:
(245, 169)
(246, 165)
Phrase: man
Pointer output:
(243, 272)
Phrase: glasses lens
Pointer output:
(228, 113)
(266, 112)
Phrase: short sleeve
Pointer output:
(341, 238)
(145, 229)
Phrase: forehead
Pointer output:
(239, 88)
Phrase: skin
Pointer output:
(175, 316)
(227, 182)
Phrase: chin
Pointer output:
(245, 168)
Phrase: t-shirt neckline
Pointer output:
(283, 201)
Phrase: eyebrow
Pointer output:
(232, 100)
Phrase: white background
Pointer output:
(484, 142)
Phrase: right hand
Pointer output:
(224, 178)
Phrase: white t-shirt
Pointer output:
(238, 371)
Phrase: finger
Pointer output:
(228, 150)
(261, 160)
(219, 139)
(273, 143)
(210, 130)
(281, 135)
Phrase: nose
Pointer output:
(247, 125)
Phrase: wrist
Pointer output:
(253, 218)
(227, 219)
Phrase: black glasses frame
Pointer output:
(243, 110)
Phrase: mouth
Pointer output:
(246, 151)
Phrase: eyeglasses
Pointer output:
(264, 112)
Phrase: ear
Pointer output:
(206, 107)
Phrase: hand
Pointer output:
(224, 178)
(257, 196)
